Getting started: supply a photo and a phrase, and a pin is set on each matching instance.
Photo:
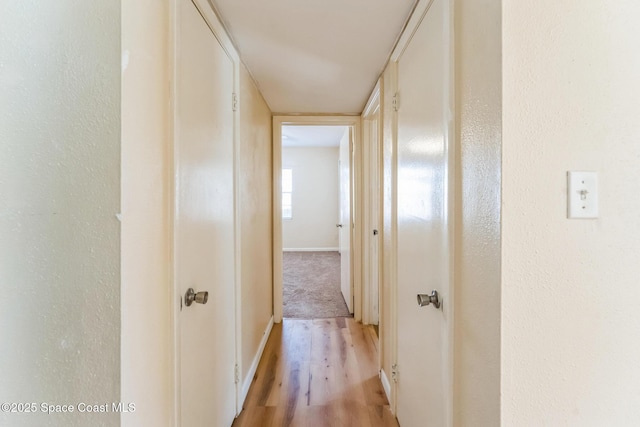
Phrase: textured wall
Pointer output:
(256, 218)
(315, 198)
(571, 329)
(59, 196)
(146, 305)
(477, 245)
(389, 213)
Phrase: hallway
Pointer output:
(140, 212)
(319, 372)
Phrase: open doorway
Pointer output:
(316, 244)
(316, 213)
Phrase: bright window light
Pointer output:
(287, 189)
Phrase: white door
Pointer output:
(345, 219)
(204, 222)
(424, 338)
(374, 200)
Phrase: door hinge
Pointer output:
(234, 101)
(394, 372)
(236, 374)
(394, 102)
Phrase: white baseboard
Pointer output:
(386, 385)
(254, 365)
(310, 249)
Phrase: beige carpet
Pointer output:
(311, 285)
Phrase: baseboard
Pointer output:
(254, 365)
(386, 385)
(310, 249)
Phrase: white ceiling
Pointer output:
(315, 56)
(312, 136)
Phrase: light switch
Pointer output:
(582, 194)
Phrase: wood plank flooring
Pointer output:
(318, 373)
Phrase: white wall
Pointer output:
(571, 328)
(146, 234)
(255, 222)
(59, 196)
(315, 198)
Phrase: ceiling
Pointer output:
(312, 136)
(315, 56)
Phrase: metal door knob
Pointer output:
(424, 299)
(339, 225)
(192, 296)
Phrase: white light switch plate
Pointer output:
(582, 194)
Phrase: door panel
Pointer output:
(204, 222)
(374, 182)
(423, 259)
(345, 220)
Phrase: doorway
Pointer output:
(316, 216)
(336, 231)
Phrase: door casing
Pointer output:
(354, 122)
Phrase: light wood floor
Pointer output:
(318, 373)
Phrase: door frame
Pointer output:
(369, 147)
(356, 217)
(211, 17)
(420, 11)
